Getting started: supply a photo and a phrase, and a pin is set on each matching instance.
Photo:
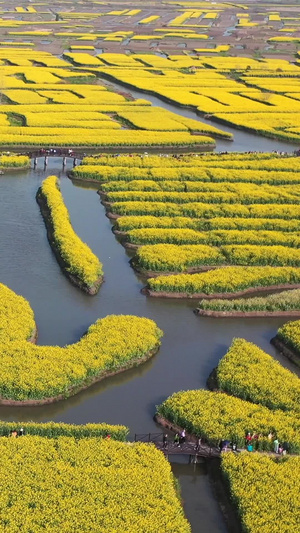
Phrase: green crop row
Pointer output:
(282, 301)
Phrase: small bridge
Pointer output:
(187, 448)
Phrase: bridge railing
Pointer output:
(148, 437)
(171, 447)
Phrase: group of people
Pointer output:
(179, 439)
(251, 442)
(281, 448)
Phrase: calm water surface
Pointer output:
(191, 345)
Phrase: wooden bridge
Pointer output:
(188, 448)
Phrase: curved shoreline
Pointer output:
(75, 280)
(245, 314)
(286, 350)
(34, 335)
(218, 295)
(14, 169)
(88, 382)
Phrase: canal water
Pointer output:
(191, 345)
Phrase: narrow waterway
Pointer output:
(191, 345)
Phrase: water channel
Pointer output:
(191, 345)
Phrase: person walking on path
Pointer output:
(176, 440)
(182, 436)
(276, 445)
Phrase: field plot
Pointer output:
(268, 504)
(166, 27)
(190, 213)
(32, 374)
(258, 96)
(42, 107)
(216, 59)
(106, 485)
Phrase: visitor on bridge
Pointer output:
(165, 441)
(176, 440)
(198, 444)
(182, 436)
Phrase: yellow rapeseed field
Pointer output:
(265, 491)
(87, 485)
(77, 256)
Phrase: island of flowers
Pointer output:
(77, 260)
(16, 317)
(98, 484)
(248, 372)
(32, 374)
(273, 497)
(11, 161)
(287, 340)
